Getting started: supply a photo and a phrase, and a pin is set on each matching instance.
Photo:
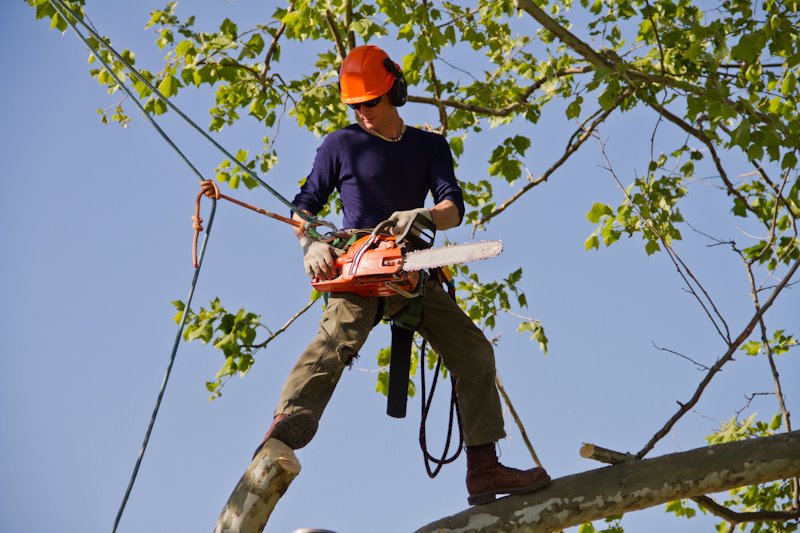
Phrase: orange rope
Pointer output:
(210, 189)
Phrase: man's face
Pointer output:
(378, 117)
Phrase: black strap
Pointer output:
(399, 369)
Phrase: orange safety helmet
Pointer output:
(366, 73)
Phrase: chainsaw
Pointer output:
(380, 264)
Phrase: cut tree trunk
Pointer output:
(259, 489)
(633, 485)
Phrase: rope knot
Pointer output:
(210, 189)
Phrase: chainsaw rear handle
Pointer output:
(386, 224)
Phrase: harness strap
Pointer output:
(403, 327)
(399, 369)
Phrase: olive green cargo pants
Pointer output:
(344, 327)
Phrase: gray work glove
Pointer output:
(319, 258)
(403, 219)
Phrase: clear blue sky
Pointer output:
(95, 242)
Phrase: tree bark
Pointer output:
(633, 485)
(259, 489)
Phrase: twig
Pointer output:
(750, 399)
(286, 325)
(700, 366)
(514, 414)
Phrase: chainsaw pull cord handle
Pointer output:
(372, 238)
(210, 189)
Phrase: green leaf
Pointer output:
(651, 247)
(789, 83)
(574, 108)
(739, 208)
(169, 86)
(789, 161)
(382, 385)
(751, 348)
(598, 211)
(592, 242)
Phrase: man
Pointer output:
(384, 170)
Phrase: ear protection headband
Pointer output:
(398, 94)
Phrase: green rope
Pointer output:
(58, 5)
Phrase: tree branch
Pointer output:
(700, 366)
(787, 419)
(286, 325)
(502, 111)
(517, 420)
(571, 149)
(590, 451)
(273, 47)
(727, 356)
(331, 22)
(682, 268)
(703, 138)
(632, 485)
(610, 60)
(729, 515)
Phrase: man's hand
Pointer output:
(319, 258)
(403, 219)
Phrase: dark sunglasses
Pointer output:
(369, 103)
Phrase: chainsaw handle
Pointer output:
(372, 238)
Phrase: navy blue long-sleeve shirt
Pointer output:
(375, 177)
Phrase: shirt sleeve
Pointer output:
(322, 180)
(444, 185)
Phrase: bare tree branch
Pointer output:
(517, 420)
(683, 269)
(286, 325)
(700, 366)
(726, 357)
(273, 47)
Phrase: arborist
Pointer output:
(383, 170)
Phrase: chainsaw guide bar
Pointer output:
(451, 255)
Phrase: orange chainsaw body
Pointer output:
(377, 271)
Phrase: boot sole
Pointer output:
(488, 497)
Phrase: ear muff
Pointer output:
(398, 94)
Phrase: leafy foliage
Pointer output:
(233, 334)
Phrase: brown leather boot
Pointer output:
(295, 430)
(486, 477)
